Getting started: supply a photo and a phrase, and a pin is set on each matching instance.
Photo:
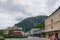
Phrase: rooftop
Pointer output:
(54, 11)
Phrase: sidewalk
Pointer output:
(44, 39)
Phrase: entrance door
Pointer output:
(56, 35)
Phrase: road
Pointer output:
(29, 38)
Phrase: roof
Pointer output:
(54, 12)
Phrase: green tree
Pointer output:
(10, 32)
(1, 33)
(40, 25)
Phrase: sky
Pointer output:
(14, 11)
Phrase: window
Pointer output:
(51, 20)
(51, 26)
(59, 16)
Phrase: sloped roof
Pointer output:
(54, 12)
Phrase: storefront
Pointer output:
(53, 35)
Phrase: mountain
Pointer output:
(29, 23)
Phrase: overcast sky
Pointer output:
(13, 11)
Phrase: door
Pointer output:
(56, 35)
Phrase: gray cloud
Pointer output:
(51, 2)
(10, 6)
(19, 19)
(13, 11)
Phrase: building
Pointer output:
(52, 25)
(39, 32)
(32, 32)
(6, 31)
(17, 31)
(13, 31)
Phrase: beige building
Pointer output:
(6, 31)
(52, 25)
(15, 28)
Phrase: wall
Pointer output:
(53, 25)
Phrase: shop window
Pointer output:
(50, 35)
